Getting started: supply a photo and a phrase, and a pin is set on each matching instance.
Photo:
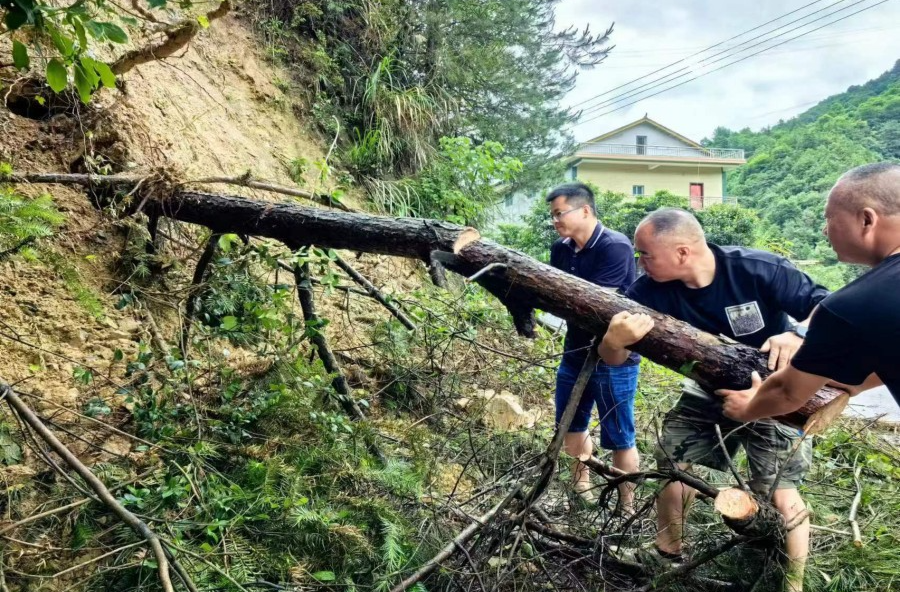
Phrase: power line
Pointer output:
(734, 62)
(761, 115)
(698, 53)
(798, 49)
(728, 53)
(794, 50)
(670, 50)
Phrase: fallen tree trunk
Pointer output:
(520, 282)
(298, 226)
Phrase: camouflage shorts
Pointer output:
(689, 436)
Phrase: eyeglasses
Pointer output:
(558, 217)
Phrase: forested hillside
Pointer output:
(792, 165)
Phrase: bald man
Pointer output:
(854, 336)
(747, 295)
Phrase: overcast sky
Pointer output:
(757, 92)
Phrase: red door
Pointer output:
(696, 196)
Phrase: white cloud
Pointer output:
(757, 92)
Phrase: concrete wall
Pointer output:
(621, 178)
(655, 137)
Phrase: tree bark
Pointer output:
(299, 226)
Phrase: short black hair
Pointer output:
(576, 194)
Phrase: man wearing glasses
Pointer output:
(604, 257)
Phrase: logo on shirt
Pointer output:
(744, 318)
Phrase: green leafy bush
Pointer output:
(460, 185)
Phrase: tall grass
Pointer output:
(401, 118)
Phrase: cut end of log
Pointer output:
(736, 504)
(822, 418)
(466, 238)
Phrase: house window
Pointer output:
(642, 144)
(637, 190)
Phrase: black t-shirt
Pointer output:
(749, 299)
(856, 331)
(607, 260)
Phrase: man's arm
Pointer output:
(794, 292)
(625, 329)
(782, 392)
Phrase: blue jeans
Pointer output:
(611, 389)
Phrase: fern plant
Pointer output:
(23, 221)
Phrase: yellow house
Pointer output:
(644, 157)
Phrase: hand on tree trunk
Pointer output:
(735, 403)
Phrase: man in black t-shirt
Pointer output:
(747, 295)
(854, 336)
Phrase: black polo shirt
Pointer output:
(607, 260)
(856, 331)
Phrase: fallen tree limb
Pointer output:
(436, 273)
(372, 291)
(193, 295)
(339, 382)
(548, 462)
(611, 474)
(28, 416)
(679, 572)
(854, 507)
(457, 543)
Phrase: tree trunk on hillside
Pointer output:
(520, 282)
(298, 226)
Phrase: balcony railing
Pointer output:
(670, 151)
